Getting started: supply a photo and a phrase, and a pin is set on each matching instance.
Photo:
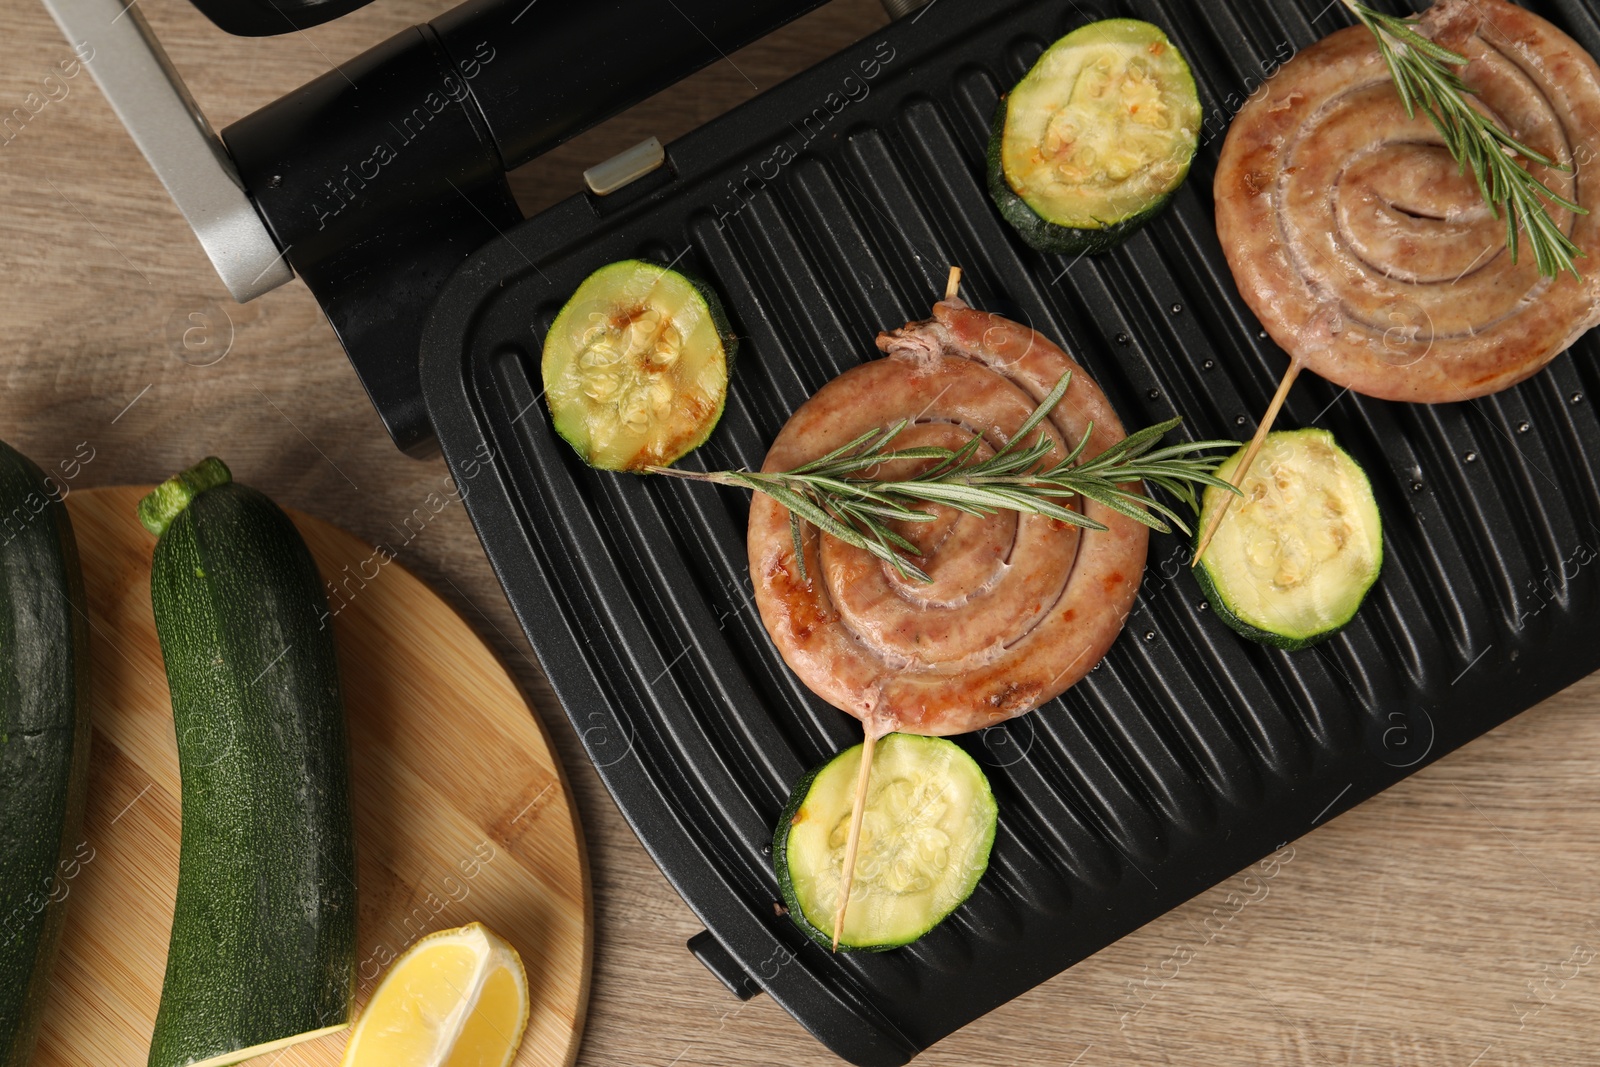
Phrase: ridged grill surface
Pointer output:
(1188, 753)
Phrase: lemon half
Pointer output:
(456, 998)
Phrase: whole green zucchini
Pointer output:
(264, 932)
(44, 740)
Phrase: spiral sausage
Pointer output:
(1331, 204)
(1020, 606)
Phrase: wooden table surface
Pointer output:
(1450, 921)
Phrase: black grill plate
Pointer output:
(1188, 753)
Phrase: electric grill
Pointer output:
(1188, 753)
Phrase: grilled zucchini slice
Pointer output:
(636, 366)
(1094, 140)
(925, 841)
(1293, 559)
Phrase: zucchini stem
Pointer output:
(166, 501)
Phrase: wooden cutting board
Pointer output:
(461, 810)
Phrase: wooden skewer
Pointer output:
(847, 874)
(853, 842)
(1249, 456)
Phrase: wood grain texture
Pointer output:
(1405, 932)
(461, 810)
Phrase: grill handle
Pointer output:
(112, 39)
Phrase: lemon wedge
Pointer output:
(456, 998)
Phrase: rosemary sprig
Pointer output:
(835, 493)
(1423, 75)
